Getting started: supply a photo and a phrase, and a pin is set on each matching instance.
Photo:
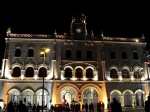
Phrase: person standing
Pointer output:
(115, 106)
(21, 107)
(10, 107)
(99, 107)
(86, 107)
(147, 104)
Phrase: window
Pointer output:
(137, 73)
(125, 73)
(18, 52)
(124, 55)
(112, 55)
(78, 72)
(78, 54)
(89, 73)
(113, 73)
(89, 54)
(30, 53)
(135, 55)
(42, 71)
(16, 72)
(68, 53)
(68, 73)
(29, 72)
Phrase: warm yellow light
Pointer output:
(47, 50)
(137, 40)
(44, 50)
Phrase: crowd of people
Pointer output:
(21, 107)
(113, 106)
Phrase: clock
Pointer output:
(78, 30)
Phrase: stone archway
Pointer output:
(66, 90)
(95, 91)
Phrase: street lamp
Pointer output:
(43, 52)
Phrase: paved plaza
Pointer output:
(131, 109)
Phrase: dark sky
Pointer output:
(120, 19)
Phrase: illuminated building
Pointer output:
(80, 67)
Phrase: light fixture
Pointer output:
(43, 51)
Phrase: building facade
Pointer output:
(79, 68)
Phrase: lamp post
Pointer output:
(43, 52)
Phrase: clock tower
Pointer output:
(78, 27)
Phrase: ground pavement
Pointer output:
(131, 109)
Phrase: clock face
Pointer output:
(78, 30)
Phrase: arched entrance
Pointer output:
(67, 95)
(90, 96)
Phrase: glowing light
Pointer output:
(2, 104)
(45, 50)
(84, 78)
(95, 78)
(136, 40)
(48, 77)
(132, 78)
(109, 79)
(120, 78)
(9, 77)
(73, 78)
(22, 77)
(142, 79)
(35, 77)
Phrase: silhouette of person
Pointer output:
(115, 106)
(10, 107)
(99, 107)
(103, 106)
(38, 108)
(86, 107)
(22, 107)
(34, 108)
(147, 104)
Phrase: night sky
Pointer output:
(115, 19)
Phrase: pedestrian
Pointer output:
(34, 108)
(99, 107)
(38, 108)
(22, 107)
(147, 104)
(10, 107)
(115, 106)
(86, 107)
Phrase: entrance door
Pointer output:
(90, 96)
(68, 95)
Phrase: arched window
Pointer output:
(68, 73)
(30, 53)
(135, 55)
(90, 95)
(28, 98)
(16, 72)
(14, 97)
(68, 54)
(137, 73)
(125, 73)
(29, 72)
(18, 52)
(78, 72)
(68, 94)
(113, 73)
(89, 73)
(42, 71)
